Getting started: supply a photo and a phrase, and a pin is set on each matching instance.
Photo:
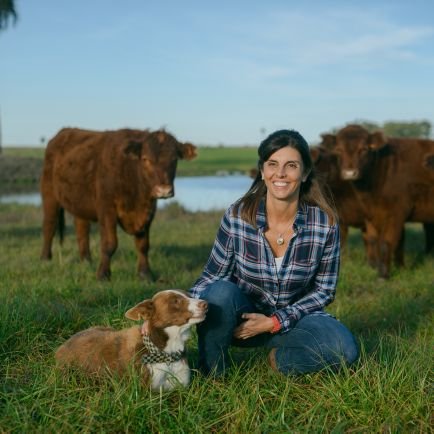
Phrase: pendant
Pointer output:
(280, 240)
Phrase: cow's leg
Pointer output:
(388, 244)
(429, 237)
(370, 238)
(141, 240)
(343, 232)
(51, 210)
(82, 228)
(108, 245)
(399, 251)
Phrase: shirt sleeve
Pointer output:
(221, 260)
(325, 282)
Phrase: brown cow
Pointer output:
(351, 212)
(111, 177)
(393, 179)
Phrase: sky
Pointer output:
(225, 72)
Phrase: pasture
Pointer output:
(43, 303)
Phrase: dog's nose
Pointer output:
(203, 304)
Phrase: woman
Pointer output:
(274, 267)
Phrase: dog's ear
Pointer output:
(142, 310)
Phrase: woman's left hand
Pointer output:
(254, 324)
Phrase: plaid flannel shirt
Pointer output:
(306, 281)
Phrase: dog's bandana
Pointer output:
(155, 355)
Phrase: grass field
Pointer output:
(42, 304)
(24, 152)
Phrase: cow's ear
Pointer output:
(141, 311)
(376, 140)
(428, 161)
(133, 149)
(315, 154)
(186, 151)
(328, 141)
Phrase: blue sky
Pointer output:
(223, 72)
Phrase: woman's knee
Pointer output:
(317, 342)
(221, 293)
(337, 344)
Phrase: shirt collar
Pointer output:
(300, 218)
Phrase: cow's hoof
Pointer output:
(86, 258)
(103, 276)
(384, 275)
(146, 276)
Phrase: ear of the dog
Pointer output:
(142, 310)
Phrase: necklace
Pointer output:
(280, 239)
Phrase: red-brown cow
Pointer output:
(351, 211)
(111, 177)
(393, 180)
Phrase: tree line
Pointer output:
(7, 13)
(413, 129)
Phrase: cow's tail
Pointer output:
(61, 224)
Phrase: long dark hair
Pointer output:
(310, 191)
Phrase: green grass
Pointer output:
(42, 304)
(212, 160)
(24, 152)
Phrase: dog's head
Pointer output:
(171, 307)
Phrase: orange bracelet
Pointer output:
(277, 326)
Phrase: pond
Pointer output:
(194, 193)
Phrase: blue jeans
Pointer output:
(317, 341)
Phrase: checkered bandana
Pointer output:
(155, 355)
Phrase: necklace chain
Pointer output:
(280, 240)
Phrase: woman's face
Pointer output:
(283, 174)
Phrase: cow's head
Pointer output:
(354, 146)
(326, 166)
(158, 153)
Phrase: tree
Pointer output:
(416, 129)
(411, 129)
(7, 12)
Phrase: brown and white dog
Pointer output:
(159, 355)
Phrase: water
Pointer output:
(194, 193)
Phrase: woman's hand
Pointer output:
(255, 324)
